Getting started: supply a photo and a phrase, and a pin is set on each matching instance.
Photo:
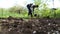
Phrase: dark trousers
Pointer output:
(30, 12)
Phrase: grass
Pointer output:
(5, 14)
(42, 13)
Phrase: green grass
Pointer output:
(5, 14)
(24, 14)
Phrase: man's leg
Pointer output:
(30, 13)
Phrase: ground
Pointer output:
(29, 26)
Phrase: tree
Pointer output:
(16, 9)
(43, 10)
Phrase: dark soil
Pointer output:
(29, 26)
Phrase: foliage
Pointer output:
(42, 11)
(13, 11)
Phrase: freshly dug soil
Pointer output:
(29, 26)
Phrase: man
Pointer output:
(31, 8)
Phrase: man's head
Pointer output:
(34, 6)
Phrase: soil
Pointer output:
(29, 26)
